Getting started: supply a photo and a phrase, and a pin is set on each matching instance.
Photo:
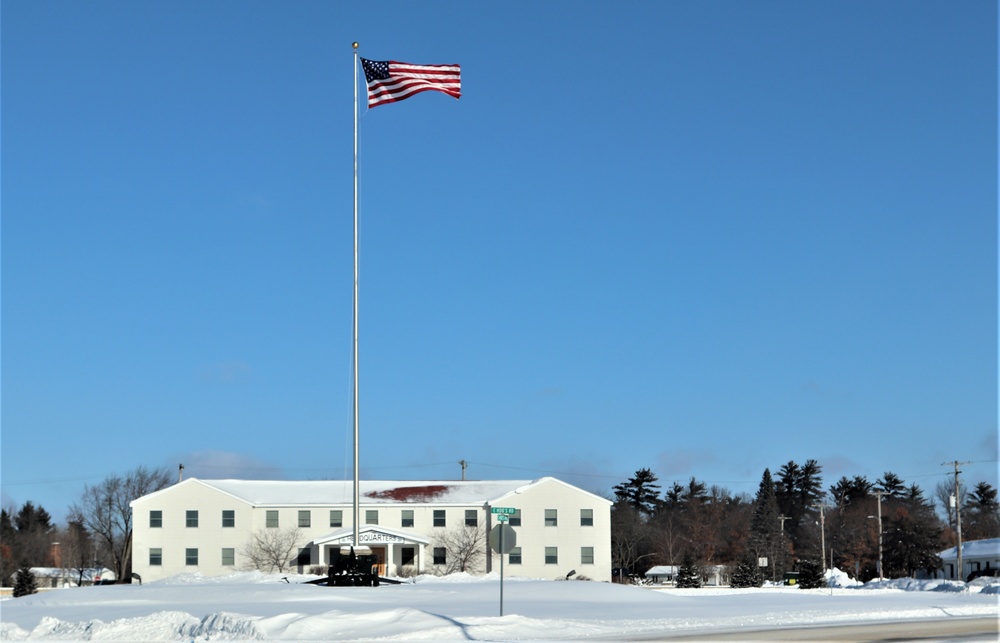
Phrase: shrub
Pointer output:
(24, 583)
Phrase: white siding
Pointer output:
(533, 498)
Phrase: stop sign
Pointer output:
(504, 534)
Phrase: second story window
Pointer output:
(271, 519)
(305, 518)
(228, 518)
(191, 518)
(586, 517)
(471, 518)
(551, 517)
(439, 518)
(336, 518)
(407, 518)
(155, 519)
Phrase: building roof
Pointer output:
(986, 548)
(277, 493)
(335, 492)
(303, 493)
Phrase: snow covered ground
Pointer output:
(252, 607)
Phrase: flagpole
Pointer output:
(357, 511)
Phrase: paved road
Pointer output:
(950, 629)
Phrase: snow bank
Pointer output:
(274, 607)
(839, 578)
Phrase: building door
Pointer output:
(380, 568)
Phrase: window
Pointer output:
(336, 518)
(155, 556)
(155, 519)
(514, 558)
(551, 555)
(305, 556)
(586, 555)
(586, 517)
(228, 518)
(228, 557)
(515, 519)
(439, 556)
(439, 518)
(551, 517)
(407, 520)
(471, 518)
(190, 556)
(305, 518)
(192, 518)
(371, 516)
(408, 555)
(271, 522)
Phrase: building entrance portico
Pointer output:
(397, 551)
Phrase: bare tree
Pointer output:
(107, 514)
(465, 548)
(631, 538)
(270, 550)
(77, 547)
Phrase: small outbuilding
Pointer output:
(662, 574)
(979, 558)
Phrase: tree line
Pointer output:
(97, 533)
(793, 524)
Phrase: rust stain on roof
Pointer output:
(411, 494)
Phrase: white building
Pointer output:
(980, 557)
(662, 574)
(204, 525)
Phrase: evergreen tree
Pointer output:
(811, 575)
(746, 574)
(674, 496)
(8, 560)
(688, 574)
(641, 491)
(24, 583)
(695, 493)
(891, 485)
(851, 490)
(28, 535)
(981, 515)
(799, 490)
(912, 539)
(765, 530)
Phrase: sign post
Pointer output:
(502, 539)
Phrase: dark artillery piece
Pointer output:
(353, 570)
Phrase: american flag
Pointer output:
(390, 81)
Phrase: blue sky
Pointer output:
(700, 237)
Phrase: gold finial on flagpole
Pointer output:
(355, 45)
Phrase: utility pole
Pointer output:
(822, 532)
(958, 517)
(464, 465)
(879, 494)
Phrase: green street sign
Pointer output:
(503, 518)
(510, 511)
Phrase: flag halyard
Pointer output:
(391, 81)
